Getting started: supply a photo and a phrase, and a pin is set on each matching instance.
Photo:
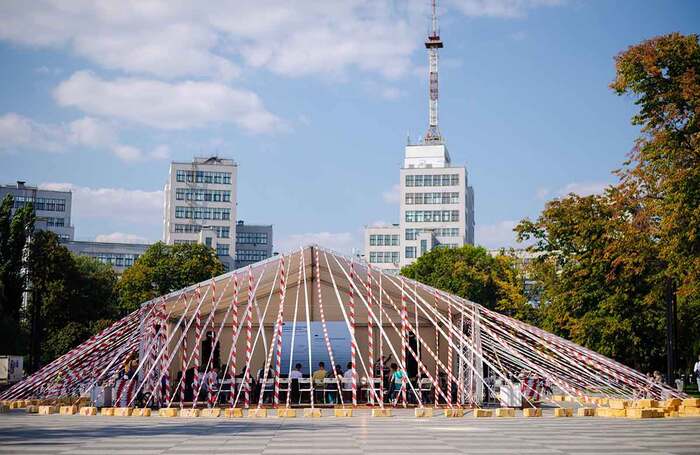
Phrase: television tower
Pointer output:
(433, 43)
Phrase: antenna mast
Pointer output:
(433, 43)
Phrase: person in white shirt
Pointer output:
(696, 370)
(347, 377)
(294, 377)
(296, 372)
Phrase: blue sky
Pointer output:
(314, 101)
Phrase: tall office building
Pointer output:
(437, 203)
(52, 208)
(200, 205)
(253, 243)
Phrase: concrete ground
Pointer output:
(22, 433)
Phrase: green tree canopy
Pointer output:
(471, 272)
(14, 234)
(72, 297)
(166, 268)
(608, 260)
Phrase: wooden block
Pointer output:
(532, 412)
(4, 408)
(342, 412)
(610, 412)
(233, 412)
(638, 413)
(557, 397)
(483, 413)
(141, 412)
(286, 413)
(692, 402)
(586, 412)
(31, 409)
(423, 412)
(189, 412)
(169, 412)
(123, 412)
(454, 412)
(570, 398)
(48, 410)
(211, 412)
(690, 412)
(381, 412)
(257, 413)
(673, 414)
(505, 412)
(641, 404)
(312, 412)
(673, 402)
(88, 411)
(618, 404)
(563, 412)
(68, 410)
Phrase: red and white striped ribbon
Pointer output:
(370, 333)
(353, 344)
(280, 315)
(248, 340)
(234, 331)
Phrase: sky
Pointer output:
(315, 101)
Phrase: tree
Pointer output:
(608, 261)
(72, 297)
(597, 274)
(471, 272)
(166, 268)
(14, 233)
(663, 171)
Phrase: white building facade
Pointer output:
(200, 205)
(436, 210)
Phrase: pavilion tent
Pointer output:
(459, 347)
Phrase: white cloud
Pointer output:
(21, 133)
(496, 235)
(177, 39)
(393, 195)
(91, 132)
(499, 8)
(343, 242)
(583, 188)
(128, 153)
(121, 237)
(113, 204)
(166, 105)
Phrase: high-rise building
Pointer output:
(200, 205)
(253, 243)
(120, 256)
(52, 208)
(437, 203)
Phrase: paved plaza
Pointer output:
(22, 433)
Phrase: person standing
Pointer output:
(696, 370)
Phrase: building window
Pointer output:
(195, 194)
(202, 213)
(384, 239)
(182, 175)
(250, 255)
(252, 238)
(384, 257)
(222, 249)
(423, 246)
(115, 259)
(428, 216)
(432, 180)
(410, 252)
